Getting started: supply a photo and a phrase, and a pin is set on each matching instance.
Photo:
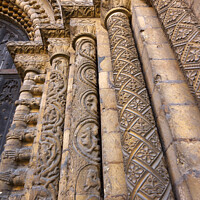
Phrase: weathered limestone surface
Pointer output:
(182, 29)
(83, 159)
(177, 115)
(93, 135)
(43, 175)
(195, 6)
(112, 157)
(143, 158)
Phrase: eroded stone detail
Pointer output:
(84, 168)
(181, 27)
(46, 170)
(146, 173)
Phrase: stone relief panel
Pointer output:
(182, 29)
(84, 168)
(46, 169)
(147, 176)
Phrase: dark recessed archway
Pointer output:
(9, 79)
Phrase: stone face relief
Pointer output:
(146, 173)
(83, 179)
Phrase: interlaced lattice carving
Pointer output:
(147, 176)
(182, 29)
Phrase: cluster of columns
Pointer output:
(65, 161)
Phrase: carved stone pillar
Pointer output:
(145, 169)
(8, 162)
(17, 151)
(182, 28)
(42, 181)
(83, 160)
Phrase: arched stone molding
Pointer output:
(57, 10)
(29, 14)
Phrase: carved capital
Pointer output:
(82, 27)
(58, 47)
(111, 6)
(30, 62)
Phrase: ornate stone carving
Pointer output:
(29, 14)
(81, 9)
(26, 135)
(31, 118)
(31, 103)
(14, 177)
(34, 89)
(182, 29)
(49, 145)
(18, 154)
(83, 175)
(147, 176)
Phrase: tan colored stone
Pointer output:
(165, 69)
(107, 99)
(184, 121)
(110, 148)
(114, 185)
(176, 92)
(145, 11)
(160, 52)
(109, 121)
(103, 49)
(105, 80)
(193, 182)
(153, 36)
(104, 64)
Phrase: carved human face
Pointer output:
(60, 63)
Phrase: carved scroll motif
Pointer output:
(147, 176)
(182, 29)
(46, 174)
(84, 166)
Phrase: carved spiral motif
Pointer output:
(84, 171)
(147, 177)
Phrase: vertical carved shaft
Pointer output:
(84, 148)
(182, 29)
(48, 143)
(147, 177)
(14, 141)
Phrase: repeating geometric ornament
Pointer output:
(183, 31)
(146, 175)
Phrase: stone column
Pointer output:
(83, 159)
(182, 29)
(145, 169)
(15, 155)
(43, 176)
